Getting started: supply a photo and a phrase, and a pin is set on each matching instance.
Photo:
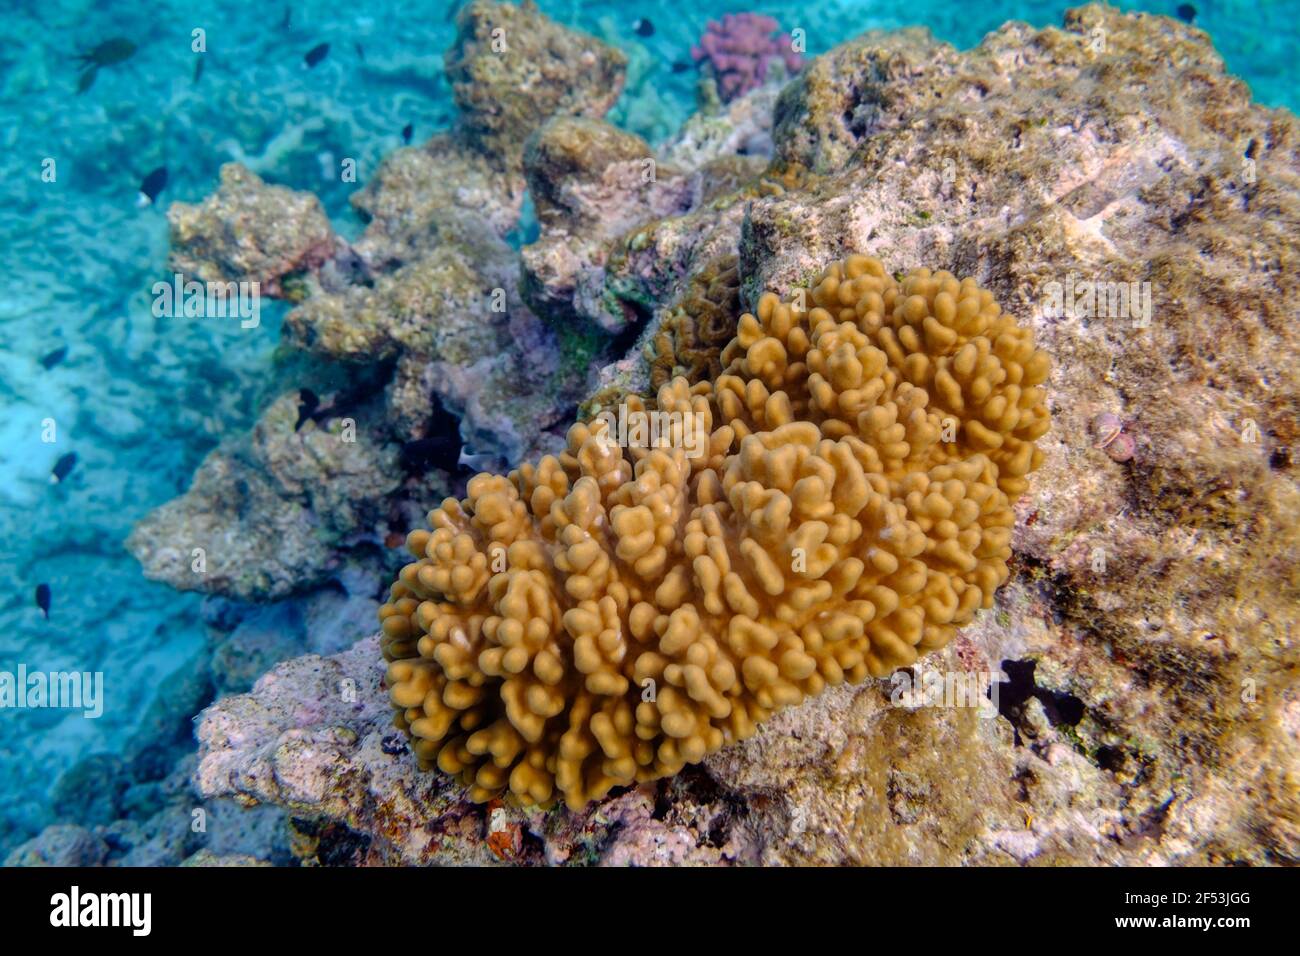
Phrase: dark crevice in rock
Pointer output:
(329, 843)
(1061, 708)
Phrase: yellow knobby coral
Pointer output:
(613, 614)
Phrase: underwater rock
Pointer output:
(596, 186)
(1147, 630)
(827, 782)
(170, 828)
(165, 732)
(432, 283)
(258, 521)
(741, 128)
(206, 857)
(585, 174)
(332, 619)
(295, 741)
(248, 231)
(267, 636)
(422, 197)
(460, 338)
(91, 790)
(61, 844)
(590, 182)
(512, 67)
(428, 296)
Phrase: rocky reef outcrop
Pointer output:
(419, 319)
(1119, 194)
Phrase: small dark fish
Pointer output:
(644, 28)
(109, 53)
(361, 52)
(63, 467)
(87, 79)
(43, 599)
(1186, 12)
(153, 184)
(316, 54)
(287, 20)
(681, 66)
(308, 402)
(198, 69)
(51, 359)
(407, 132)
(440, 451)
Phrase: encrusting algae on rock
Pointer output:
(612, 615)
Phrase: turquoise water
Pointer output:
(141, 403)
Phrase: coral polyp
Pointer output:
(613, 614)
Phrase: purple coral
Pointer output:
(739, 50)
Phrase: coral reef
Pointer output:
(1146, 630)
(686, 341)
(738, 52)
(423, 314)
(280, 233)
(432, 283)
(252, 523)
(691, 337)
(590, 183)
(511, 65)
(844, 505)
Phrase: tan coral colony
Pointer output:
(613, 614)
